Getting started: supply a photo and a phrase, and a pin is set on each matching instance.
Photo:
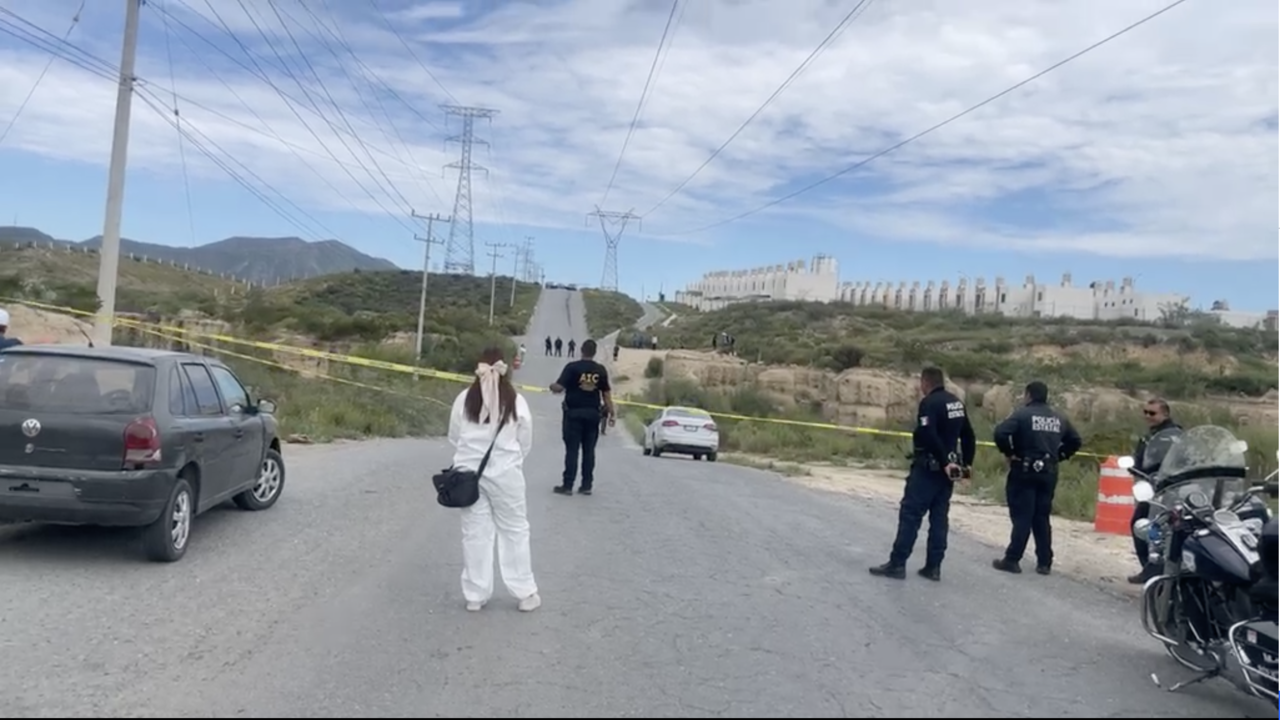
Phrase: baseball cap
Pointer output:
(4, 317)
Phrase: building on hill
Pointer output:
(817, 281)
(1096, 301)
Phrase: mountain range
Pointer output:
(260, 259)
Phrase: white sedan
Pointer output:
(684, 431)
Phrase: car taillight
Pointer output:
(710, 426)
(141, 442)
(670, 423)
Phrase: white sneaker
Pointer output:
(475, 607)
(531, 603)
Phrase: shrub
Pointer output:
(654, 368)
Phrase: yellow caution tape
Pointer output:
(184, 335)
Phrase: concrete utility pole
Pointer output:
(493, 275)
(616, 225)
(427, 242)
(109, 255)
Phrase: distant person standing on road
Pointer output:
(1034, 440)
(548, 345)
(942, 423)
(587, 393)
(559, 347)
(573, 345)
(491, 411)
(6, 342)
(615, 351)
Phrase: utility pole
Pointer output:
(493, 275)
(427, 242)
(109, 254)
(460, 253)
(612, 224)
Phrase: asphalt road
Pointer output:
(681, 589)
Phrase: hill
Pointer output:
(608, 311)
(68, 275)
(1190, 359)
(266, 260)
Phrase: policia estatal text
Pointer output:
(1034, 439)
(942, 425)
(585, 384)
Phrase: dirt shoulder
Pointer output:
(1081, 553)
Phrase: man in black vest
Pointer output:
(936, 466)
(587, 394)
(1034, 439)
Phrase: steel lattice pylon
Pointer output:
(460, 250)
(612, 224)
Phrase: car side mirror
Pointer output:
(1143, 492)
(266, 406)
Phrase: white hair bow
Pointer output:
(489, 381)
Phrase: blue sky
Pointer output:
(1153, 156)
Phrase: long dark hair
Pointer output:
(474, 403)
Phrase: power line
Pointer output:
(75, 20)
(938, 126)
(635, 119)
(390, 25)
(831, 37)
(177, 117)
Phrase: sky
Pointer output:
(1152, 156)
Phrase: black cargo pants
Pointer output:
(581, 431)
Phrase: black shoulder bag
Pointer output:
(460, 488)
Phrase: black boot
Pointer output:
(931, 572)
(1147, 573)
(889, 570)
(563, 490)
(1008, 566)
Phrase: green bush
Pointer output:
(654, 368)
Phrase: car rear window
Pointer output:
(688, 414)
(65, 384)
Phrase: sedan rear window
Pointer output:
(683, 414)
(78, 385)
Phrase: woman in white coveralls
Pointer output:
(500, 515)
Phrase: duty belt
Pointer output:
(925, 460)
(1037, 465)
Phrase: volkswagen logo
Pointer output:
(31, 427)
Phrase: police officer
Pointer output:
(547, 344)
(1148, 455)
(6, 342)
(943, 422)
(1034, 439)
(559, 347)
(587, 394)
(573, 345)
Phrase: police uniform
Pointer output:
(942, 424)
(1149, 454)
(1035, 438)
(585, 382)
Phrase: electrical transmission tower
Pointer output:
(460, 250)
(612, 224)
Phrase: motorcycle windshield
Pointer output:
(1208, 459)
(1203, 449)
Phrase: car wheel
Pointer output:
(647, 451)
(657, 452)
(166, 539)
(266, 491)
(697, 456)
(711, 457)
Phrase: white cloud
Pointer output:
(1162, 142)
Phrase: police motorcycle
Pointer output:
(1213, 605)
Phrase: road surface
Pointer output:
(681, 589)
